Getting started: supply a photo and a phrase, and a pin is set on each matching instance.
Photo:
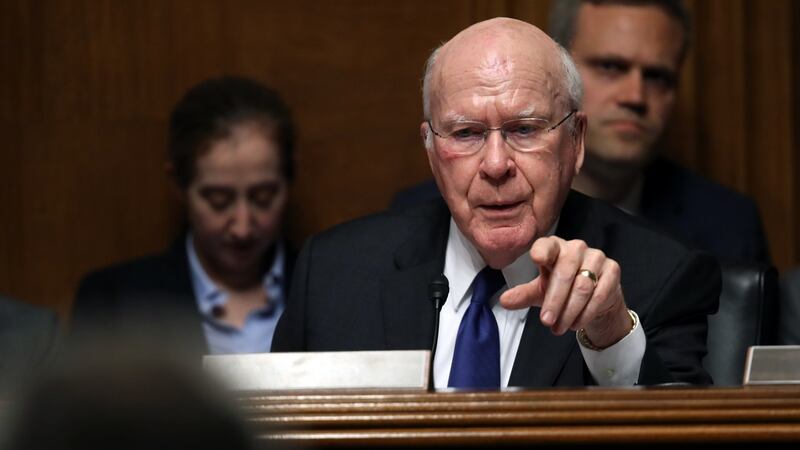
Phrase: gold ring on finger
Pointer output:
(590, 275)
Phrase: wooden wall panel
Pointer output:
(722, 132)
(794, 168)
(533, 12)
(86, 87)
(771, 120)
(21, 68)
(11, 217)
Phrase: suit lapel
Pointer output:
(178, 297)
(407, 310)
(541, 355)
(176, 279)
(662, 196)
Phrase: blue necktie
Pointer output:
(476, 360)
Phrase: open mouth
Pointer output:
(501, 207)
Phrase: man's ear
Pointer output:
(427, 139)
(427, 136)
(579, 139)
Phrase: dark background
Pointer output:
(86, 87)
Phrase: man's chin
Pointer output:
(623, 151)
(624, 161)
(500, 246)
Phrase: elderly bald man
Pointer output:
(547, 287)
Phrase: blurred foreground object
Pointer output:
(115, 396)
(28, 337)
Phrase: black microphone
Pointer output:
(437, 291)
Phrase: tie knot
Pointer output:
(486, 283)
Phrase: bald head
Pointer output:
(496, 47)
(505, 189)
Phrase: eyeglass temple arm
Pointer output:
(560, 121)
(430, 124)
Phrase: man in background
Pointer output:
(629, 54)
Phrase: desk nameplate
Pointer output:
(772, 364)
(396, 369)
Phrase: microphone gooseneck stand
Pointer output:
(437, 292)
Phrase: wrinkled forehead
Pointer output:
(497, 62)
(509, 87)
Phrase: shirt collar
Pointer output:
(463, 262)
(208, 294)
(632, 202)
(274, 276)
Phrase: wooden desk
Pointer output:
(597, 416)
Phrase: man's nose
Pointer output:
(241, 225)
(497, 163)
(632, 93)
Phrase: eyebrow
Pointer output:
(457, 118)
(267, 184)
(528, 113)
(660, 68)
(215, 188)
(270, 185)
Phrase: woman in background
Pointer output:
(221, 286)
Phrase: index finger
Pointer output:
(544, 252)
(524, 295)
(561, 280)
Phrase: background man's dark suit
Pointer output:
(713, 217)
(149, 298)
(706, 214)
(363, 286)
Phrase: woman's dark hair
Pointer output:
(211, 109)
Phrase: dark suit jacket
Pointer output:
(363, 286)
(789, 317)
(718, 219)
(706, 214)
(149, 300)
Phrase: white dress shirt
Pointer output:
(617, 365)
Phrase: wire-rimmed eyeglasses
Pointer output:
(524, 135)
